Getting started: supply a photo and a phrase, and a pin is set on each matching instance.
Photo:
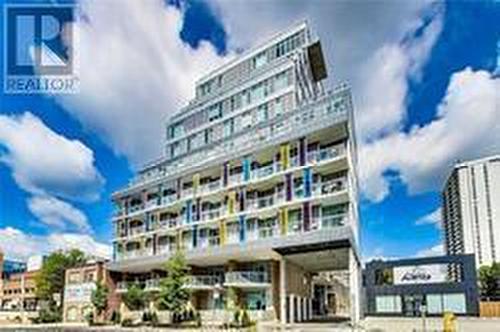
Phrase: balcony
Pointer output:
(210, 241)
(136, 254)
(137, 230)
(211, 186)
(165, 249)
(151, 203)
(165, 200)
(244, 279)
(211, 214)
(152, 284)
(235, 179)
(266, 201)
(170, 223)
(147, 285)
(188, 192)
(202, 282)
(320, 155)
(329, 221)
(264, 171)
(330, 186)
(135, 208)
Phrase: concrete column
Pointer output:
(299, 309)
(304, 309)
(309, 308)
(354, 287)
(291, 308)
(283, 291)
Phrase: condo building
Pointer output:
(257, 187)
(471, 210)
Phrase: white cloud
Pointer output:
(46, 163)
(436, 250)
(135, 72)
(383, 80)
(466, 127)
(56, 213)
(17, 244)
(433, 218)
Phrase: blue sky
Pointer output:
(416, 80)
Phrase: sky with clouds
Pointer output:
(424, 77)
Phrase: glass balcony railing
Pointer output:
(137, 230)
(170, 223)
(136, 253)
(211, 214)
(165, 249)
(330, 186)
(195, 281)
(187, 192)
(235, 179)
(135, 208)
(266, 201)
(151, 203)
(211, 241)
(313, 157)
(246, 277)
(210, 187)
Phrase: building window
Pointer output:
(228, 128)
(454, 303)
(388, 304)
(262, 113)
(279, 107)
(259, 60)
(215, 112)
(281, 81)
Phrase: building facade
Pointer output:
(18, 300)
(471, 210)
(257, 187)
(79, 284)
(409, 287)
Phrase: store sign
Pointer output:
(79, 292)
(420, 274)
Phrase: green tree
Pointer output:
(173, 295)
(489, 280)
(50, 280)
(135, 298)
(99, 298)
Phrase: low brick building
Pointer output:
(18, 301)
(79, 284)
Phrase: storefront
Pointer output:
(432, 285)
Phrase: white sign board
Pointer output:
(79, 292)
(420, 274)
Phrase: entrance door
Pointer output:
(412, 305)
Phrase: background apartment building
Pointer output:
(257, 186)
(471, 210)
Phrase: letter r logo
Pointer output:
(38, 40)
